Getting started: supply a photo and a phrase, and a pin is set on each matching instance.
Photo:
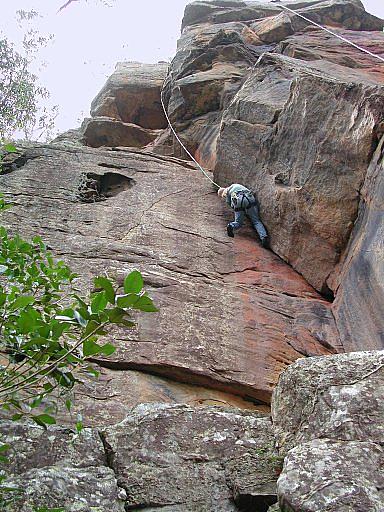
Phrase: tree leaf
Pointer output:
(10, 148)
(46, 419)
(133, 283)
(106, 285)
(127, 301)
(21, 302)
(99, 302)
(108, 349)
(145, 303)
(90, 348)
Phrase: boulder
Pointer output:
(33, 448)
(309, 199)
(57, 468)
(105, 131)
(193, 459)
(324, 475)
(338, 398)
(328, 419)
(132, 95)
(74, 489)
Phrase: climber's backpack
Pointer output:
(242, 200)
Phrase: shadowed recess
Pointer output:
(99, 187)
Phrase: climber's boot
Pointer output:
(265, 242)
(230, 231)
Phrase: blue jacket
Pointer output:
(236, 187)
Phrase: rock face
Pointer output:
(176, 458)
(58, 469)
(359, 305)
(249, 314)
(261, 98)
(132, 95)
(186, 459)
(309, 199)
(328, 418)
(260, 119)
(127, 111)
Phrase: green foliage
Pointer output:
(20, 91)
(48, 333)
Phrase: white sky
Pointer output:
(91, 37)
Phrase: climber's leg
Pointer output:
(253, 214)
(236, 224)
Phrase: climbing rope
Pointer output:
(296, 14)
(332, 33)
(182, 145)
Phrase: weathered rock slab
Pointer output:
(57, 468)
(309, 199)
(74, 489)
(324, 475)
(191, 459)
(198, 277)
(339, 397)
(132, 95)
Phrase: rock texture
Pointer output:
(247, 119)
(248, 314)
(132, 95)
(127, 111)
(332, 476)
(58, 469)
(359, 305)
(328, 418)
(176, 458)
(184, 459)
(309, 198)
(261, 98)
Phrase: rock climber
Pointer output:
(244, 203)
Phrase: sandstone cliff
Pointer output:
(259, 97)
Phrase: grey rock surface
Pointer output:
(57, 468)
(192, 459)
(338, 397)
(74, 489)
(328, 418)
(325, 475)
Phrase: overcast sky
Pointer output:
(90, 37)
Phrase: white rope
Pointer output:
(182, 145)
(332, 33)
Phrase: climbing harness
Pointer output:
(242, 200)
(182, 145)
(332, 33)
(296, 14)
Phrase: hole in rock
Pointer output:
(13, 161)
(327, 293)
(99, 187)
(251, 503)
